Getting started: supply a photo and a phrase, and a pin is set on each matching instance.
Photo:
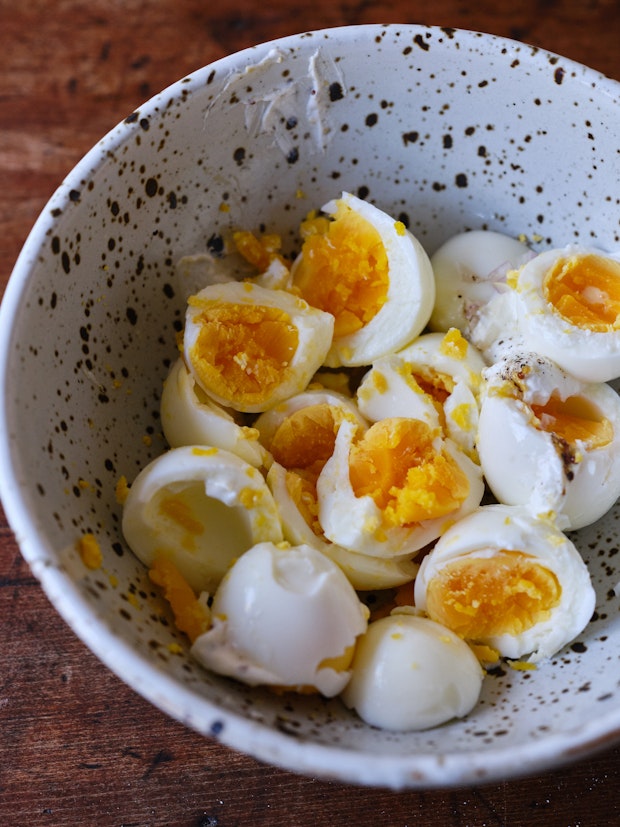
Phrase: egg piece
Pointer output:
(298, 506)
(509, 580)
(569, 310)
(190, 417)
(200, 508)
(436, 379)
(410, 673)
(393, 489)
(285, 617)
(549, 441)
(469, 268)
(370, 273)
(249, 347)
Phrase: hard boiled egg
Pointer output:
(248, 347)
(547, 440)
(569, 310)
(506, 579)
(394, 488)
(285, 617)
(200, 508)
(190, 417)
(370, 273)
(410, 673)
(469, 269)
(436, 378)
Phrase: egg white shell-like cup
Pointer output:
(492, 529)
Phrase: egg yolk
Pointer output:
(303, 493)
(343, 269)
(585, 290)
(190, 615)
(305, 439)
(481, 597)
(574, 418)
(242, 352)
(258, 251)
(398, 465)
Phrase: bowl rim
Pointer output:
(235, 731)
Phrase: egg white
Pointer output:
(489, 531)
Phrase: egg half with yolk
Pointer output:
(506, 579)
(367, 270)
(391, 490)
(249, 347)
(559, 438)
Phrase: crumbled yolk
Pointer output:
(343, 269)
(190, 615)
(585, 290)
(305, 439)
(480, 597)
(258, 251)
(90, 551)
(454, 344)
(303, 493)
(574, 418)
(397, 464)
(243, 351)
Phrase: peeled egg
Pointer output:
(509, 580)
(298, 506)
(370, 273)
(284, 617)
(200, 508)
(569, 310)
(467, 268)
(436, 379)
(394, 488)
(547, 440)
(190, 417)
(249, 347)
(410, 673)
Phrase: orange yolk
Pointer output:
(191, 616)
(585, 290)
(343, 269)
(305, 439)
(243, 351)
(507, 593)
(397, 464)
(258, 251)
(574, 419)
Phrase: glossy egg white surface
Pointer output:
(88, 338)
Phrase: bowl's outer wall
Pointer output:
(445, 130)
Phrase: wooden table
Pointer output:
(76, 746)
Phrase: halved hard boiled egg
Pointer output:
(200, 508)
(410, 673)
(436, 378)
(549, 441)
(468, 268)
(569, 310)
(250, 347)
(190, 417)
(367, 270)
(504, 578)
(392, 489)
(284, 616)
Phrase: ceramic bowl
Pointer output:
(446, 130)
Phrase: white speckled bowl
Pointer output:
(447, 130)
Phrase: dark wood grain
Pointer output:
(77, 747)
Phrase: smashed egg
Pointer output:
(370, 273)
(200, 508)
(249, 347)
(568, 304)
(190, 417)
(284, 616)
(547, 440)
(392, 489)
(410, 673)
(506, 579)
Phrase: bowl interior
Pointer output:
(446, 130)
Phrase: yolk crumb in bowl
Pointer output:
(191, 616)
